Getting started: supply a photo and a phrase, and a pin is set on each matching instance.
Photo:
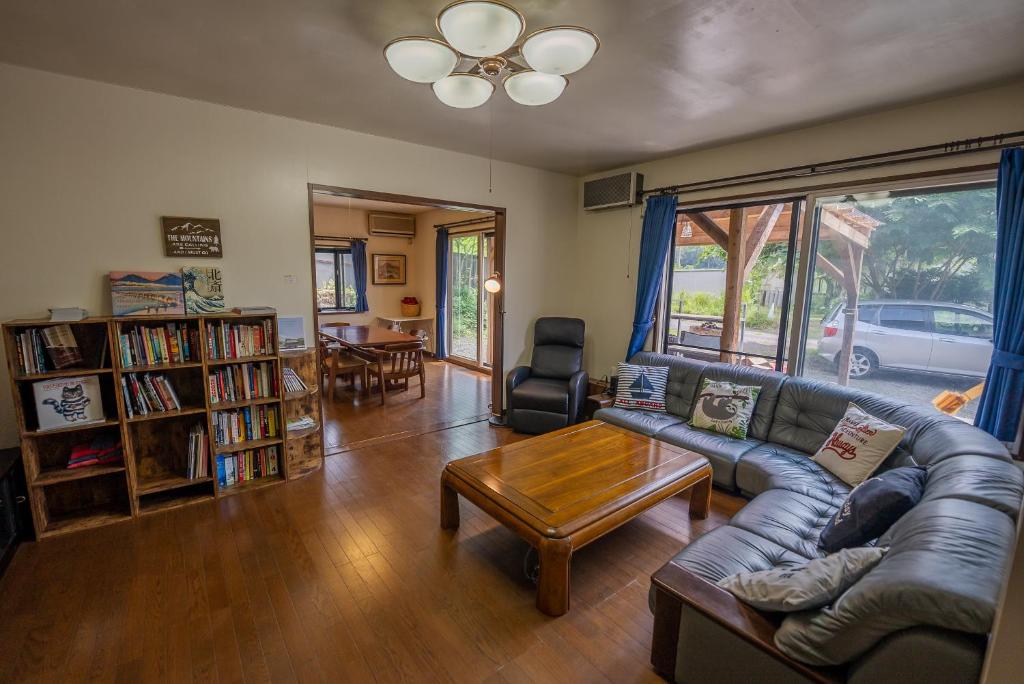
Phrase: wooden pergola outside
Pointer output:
(846, 227)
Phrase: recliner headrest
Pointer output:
(558, 330)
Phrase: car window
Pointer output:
(868, 313)
(904, 318)
(962, 323)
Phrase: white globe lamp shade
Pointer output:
(493, 283)
(560, 49)
(423, 60)
(480, 28)
(533, 88)
(463, 91)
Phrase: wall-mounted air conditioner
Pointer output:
(620, 190)
(391, 225)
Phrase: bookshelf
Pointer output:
(153, 474)
(305, 447)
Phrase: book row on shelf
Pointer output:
(47, 349)
(148, 394)
(226, 340)
(148, 346)
(198, 453)
(250, 464)
(292, 381)
(243, 381)
(243, 425)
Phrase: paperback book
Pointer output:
(246, 465)
(67, 402)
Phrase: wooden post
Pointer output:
(853, 258)
(735, 264)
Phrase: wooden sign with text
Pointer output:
(192, 237)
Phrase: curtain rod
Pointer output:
(949, 149)
(464, 222)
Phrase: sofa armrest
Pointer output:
(579, 384)
(678, 590)
(515, 377)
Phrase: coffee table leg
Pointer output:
(553, 583)
(449, 504)
(700, 498)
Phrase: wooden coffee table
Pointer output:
(563, 490)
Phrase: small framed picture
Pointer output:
(389, 269)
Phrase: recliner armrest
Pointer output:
(578, 384)
(515, 377)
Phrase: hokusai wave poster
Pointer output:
(142, 293)
(204, 289)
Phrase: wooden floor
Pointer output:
(455, 396)
(344, 576)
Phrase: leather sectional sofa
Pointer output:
(923, 614)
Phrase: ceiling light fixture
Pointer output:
(484, 33)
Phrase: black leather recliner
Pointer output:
(549, 393)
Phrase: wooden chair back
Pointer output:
(402, 361)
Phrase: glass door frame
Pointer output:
(484, 302)
(785, 325)
(797, 336)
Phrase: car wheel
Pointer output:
(863, 363)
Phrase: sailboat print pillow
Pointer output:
(642, 387)
(725, 408)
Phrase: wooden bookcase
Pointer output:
(152, 476)
(305, 447)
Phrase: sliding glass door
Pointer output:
(470, 261)
(730, 282)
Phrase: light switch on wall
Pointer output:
(289, 279)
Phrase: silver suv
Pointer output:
(935, 337)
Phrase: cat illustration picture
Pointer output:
(72, 404)
(62, 402)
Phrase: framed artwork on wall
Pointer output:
(389, 269)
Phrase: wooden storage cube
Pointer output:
(91, 337)
(160, 452)
(189, 385)
(108, 400)
(190, 325)
(79, 504)
(166, 499)
(49, 454)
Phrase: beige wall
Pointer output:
(1005, 661)
(383, 299)
(87, 169)
(607, 242)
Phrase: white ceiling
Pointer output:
(671, 75)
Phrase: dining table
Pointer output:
(366, 336)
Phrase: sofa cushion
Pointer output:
(641, 387)
(729, 550)
(872, 507)
(982, 479)
(770, 383)
(722, 451)
(725, 407)
(859, 444)
(770, 466)
(791, 520)
(644, 422)
(683, 379)
(543, 394)
(944, 568)
(787, 589)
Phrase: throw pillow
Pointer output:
(872, 508)
(789, 588)
(641, 387)
(724, 407)
(857, 446)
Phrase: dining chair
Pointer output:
(336, 361)
(394, 363)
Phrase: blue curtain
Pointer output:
(659, 227)
(359, 270)
(1003, 398)
(441, 272)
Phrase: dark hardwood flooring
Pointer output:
(455, 396)
(344, 576)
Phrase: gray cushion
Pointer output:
(770, 466)
(644, 422)
(769, 382)
(683, 379)
(982, 479)
(811, 585)
(722, 451)
(793, 521)
(944, 568)
(728, 550)
(543, 394)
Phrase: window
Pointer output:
(962, 324)
(335, 280)
(904, 318)
(868, 313)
